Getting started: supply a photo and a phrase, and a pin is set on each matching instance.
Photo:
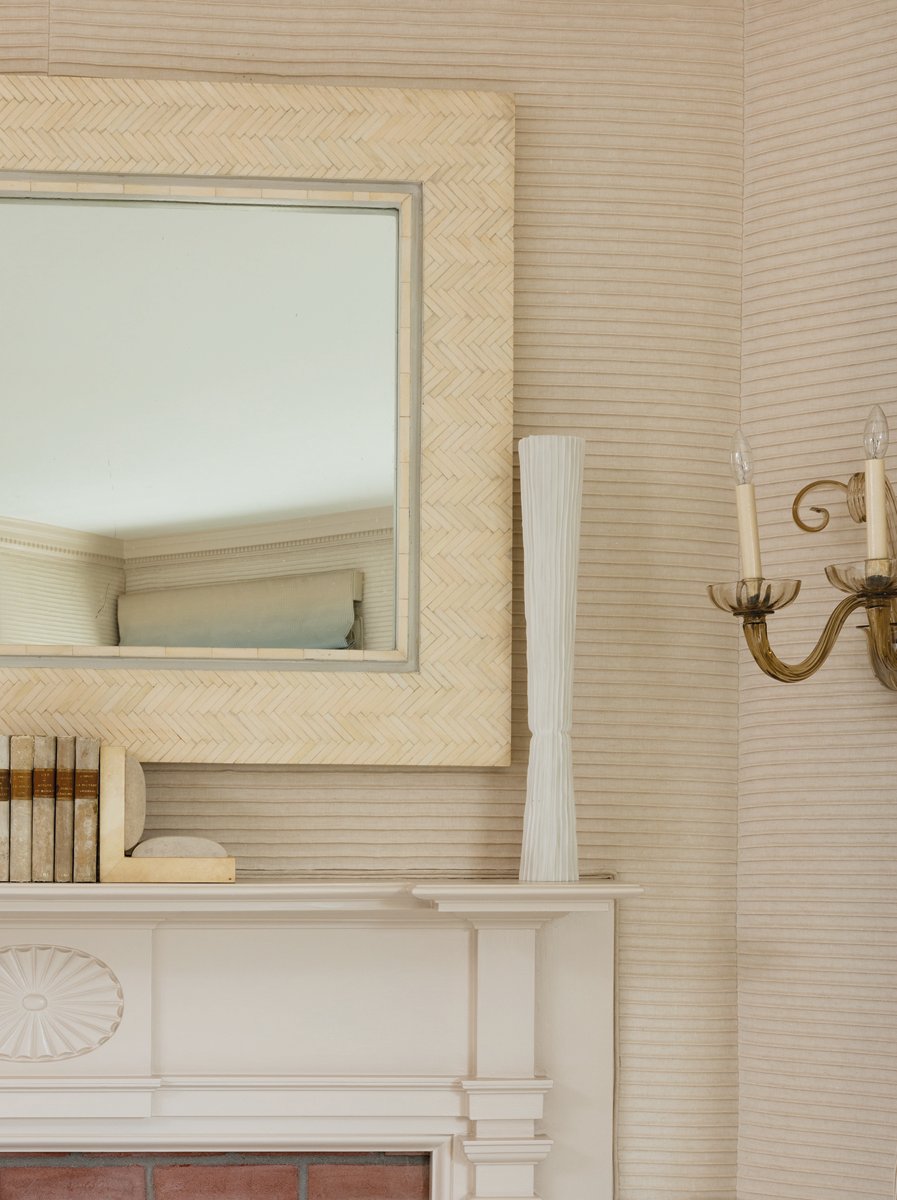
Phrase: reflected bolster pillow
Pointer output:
(313, 612)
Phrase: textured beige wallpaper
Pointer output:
(629, 256)
(629, 177)
(818, 824)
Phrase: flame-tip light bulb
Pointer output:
(876, 434)
(742, 458)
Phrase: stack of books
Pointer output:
(49, 809)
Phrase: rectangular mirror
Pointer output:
(210, 384)
(213, 408)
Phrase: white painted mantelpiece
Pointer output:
(470, 1020)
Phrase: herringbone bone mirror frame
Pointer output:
(448, 703)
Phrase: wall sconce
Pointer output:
(870, 584)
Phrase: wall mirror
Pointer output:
(221, 395)
(210, 383)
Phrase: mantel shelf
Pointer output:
(303, 902)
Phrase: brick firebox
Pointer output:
(231, 1176)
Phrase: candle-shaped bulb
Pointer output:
(742, 458)
(876, 434)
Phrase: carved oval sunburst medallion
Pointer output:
(55, 1002)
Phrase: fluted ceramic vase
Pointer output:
(551, 496)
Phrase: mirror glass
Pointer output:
(200, 411)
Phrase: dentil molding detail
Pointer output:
(55, 1003)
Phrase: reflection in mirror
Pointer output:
(200, 411)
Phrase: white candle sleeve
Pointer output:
(876, 509)
(748, 531)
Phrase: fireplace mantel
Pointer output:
(470, 1019)
(380, 902)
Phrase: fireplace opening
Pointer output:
(215, 1176)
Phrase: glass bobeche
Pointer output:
(869, 576)
(745, 597)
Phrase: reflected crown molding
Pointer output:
(34, 538)
(266, 536)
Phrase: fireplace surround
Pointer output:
(469, 1021)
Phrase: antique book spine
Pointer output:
(43, 809)
(65, 810)
(21, 768)
(87, 792)
(4, 809)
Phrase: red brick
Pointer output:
(226, 1183)
(72, 1183)
(372, 1181)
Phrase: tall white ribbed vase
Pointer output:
(551, 495)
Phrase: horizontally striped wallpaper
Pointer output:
(628, 330)
(628, 268)
(817, 901)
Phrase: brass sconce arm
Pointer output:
(870, 584)
(823, 513)
(855, 495)
(880, 635)
(767, 660)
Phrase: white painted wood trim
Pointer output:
(523, 899)
(363, 902)
(444, 981)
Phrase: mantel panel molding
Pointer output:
(405, 1024)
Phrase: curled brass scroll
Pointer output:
(823, 512)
